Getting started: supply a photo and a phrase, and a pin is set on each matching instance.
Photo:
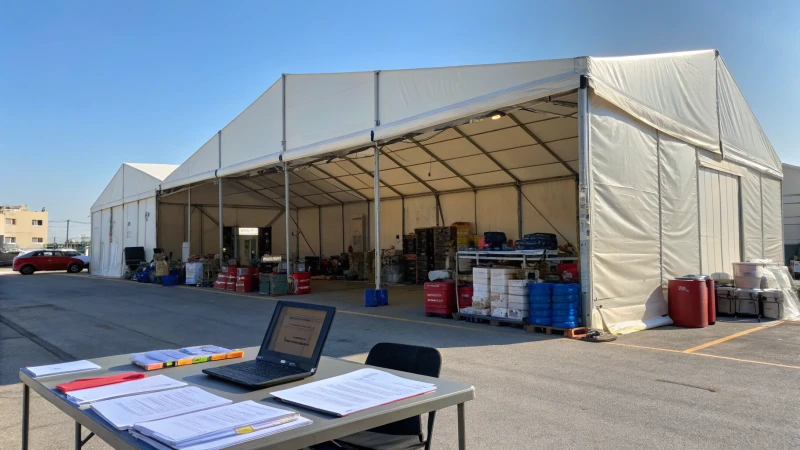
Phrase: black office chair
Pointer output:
(407, 433)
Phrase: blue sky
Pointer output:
(86, 85)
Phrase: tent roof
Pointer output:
(690, 95)
(132, 182)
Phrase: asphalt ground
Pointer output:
(731, 385)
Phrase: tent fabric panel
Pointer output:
(420, 212)
(130, 224)
(680, 235)
(539, 172)
(112, 193)
(171, 228)
(332, 237)
(137, 183)
(326, 106)
(257, 131)
(458, 207)
(791, 204)
(488, 179)
(511, 137)
(773, 226)
(751, 215)
(309, 229)
(353, 210)
(454, 148)
(625, 230)
(116, 244)
(96, 265)
(201, 164)
(527, 156)
(684, 103)
(742, 135)
(105, 242)
(157, 171)
(554, 130)
(408, 93)
(719, 221)
(497, 211)
(391, 224)
(551, 207)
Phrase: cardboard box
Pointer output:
(482, 312)
(465, 310)
(480, 272)
(500, 304)
(500, 312)
(521, 291)
(498, 297)
(480, 288)
(499, 288)
(517, 314)
(518, 299)
(481, 280)
(524, 306)
(518, 284)
(480, 302)
(503, 271)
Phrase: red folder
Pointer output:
(86, 383)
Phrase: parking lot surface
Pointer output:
(732, 385)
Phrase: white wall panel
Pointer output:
(332, 239)
(791, 204)
(111, 193)
(420, 213)
(497, 211)
(96, 256)
(257, 131)
(327, 106)
(105, 235)
(719, 221)
(203, 161)
(309, 227)
(751, 215)
(773, 238)
(150, 235)
(458, 207)
(556, 202)
(130, 224)
(391, 223)
(350, 211)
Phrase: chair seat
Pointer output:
(380, 441)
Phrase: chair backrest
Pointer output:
(407, 358)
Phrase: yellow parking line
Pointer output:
(643, 347)
(728, 338)
(745, 360)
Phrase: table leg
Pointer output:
(462, 430)
(78, 443)
(26, 400)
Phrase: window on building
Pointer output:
(36, 223)
(11, 240)
(11, 221)
(37, 240)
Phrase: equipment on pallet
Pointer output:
(440, 297)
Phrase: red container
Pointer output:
(688, 303)
(219, 284)
(230, 270)
(230, 285)
(465, 297)
(244, 283)
(712, 301)
(440, 297)
(568, 272)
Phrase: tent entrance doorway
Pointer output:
(246, 250)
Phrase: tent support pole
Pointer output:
(287, 213)
(189, 220)
(377, 187)
(519, 211)
(319, 229)
(584, 189)
(343, 249)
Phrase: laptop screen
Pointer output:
(297, 331)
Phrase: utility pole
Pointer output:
(67, 244)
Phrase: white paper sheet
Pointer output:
(125, 412)
(61, 368)
(145, 385)
(353, 392)
(215, 423)
(229, 441)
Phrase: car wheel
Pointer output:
(74, 268)
(26, 270)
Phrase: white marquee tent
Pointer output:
(791, 204)
(653, 166)
(124, 216)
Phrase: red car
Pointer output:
(39, 260)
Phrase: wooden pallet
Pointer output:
(574, 333)
(493, 321)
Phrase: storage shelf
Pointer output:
(523, 255)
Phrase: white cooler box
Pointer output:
(726, 300)
(772, 304)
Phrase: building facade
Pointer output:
(22, 227)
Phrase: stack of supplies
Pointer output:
(278, 284)
(539, 296)
(566, 303)
(518, 306)
(62, 368)
(499, 290)
(159, 359)
(218, 427)
(481, 280)
(83, 397)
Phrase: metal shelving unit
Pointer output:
(522, 255)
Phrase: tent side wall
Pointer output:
(791, 209)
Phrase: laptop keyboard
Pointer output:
(265, 369)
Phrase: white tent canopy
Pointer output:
(655, 149)
(124, 215)
(791, 204)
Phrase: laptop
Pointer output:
(291, 348)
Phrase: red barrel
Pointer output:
(465, 297)
(712, 301)
(302, 283)
(440, 297)
(231, 270)
(688, 302)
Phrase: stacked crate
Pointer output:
(443, 236)
(463, 235)
(518, 306)
(410, 257)
(425, 252)
(499, 290)
(481, 282)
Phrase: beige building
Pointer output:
(23, 227)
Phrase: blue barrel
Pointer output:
(566, 298)
(543, 321)
(541, 313)
(371, 298)
(539, 306)
(169, 280)
(565, 305)
(565, 317)
(566, 312)
(565, 324)
(540, 289)
(540, 299)
(566, 289)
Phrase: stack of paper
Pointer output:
(125, 412)
(158, 359)
(150, 384)
(353, 392)
(61, 368)
(219, 427)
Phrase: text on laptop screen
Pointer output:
(297, 331)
